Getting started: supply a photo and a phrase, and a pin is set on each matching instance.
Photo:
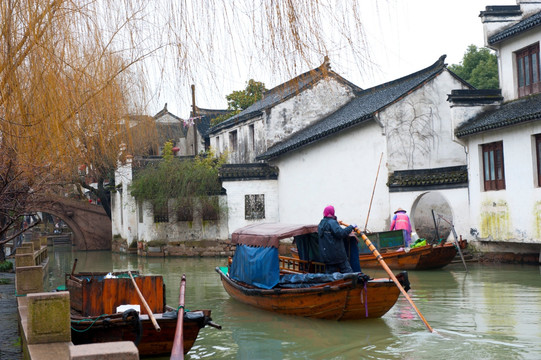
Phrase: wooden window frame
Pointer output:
(538, 157)
(528, 70)
(493, 166)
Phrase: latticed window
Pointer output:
(254, 206)
(185, 211)
(529, 80)
(161, 214)
(210, 208)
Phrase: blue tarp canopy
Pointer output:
(257, 266)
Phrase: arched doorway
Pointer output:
(431, 210)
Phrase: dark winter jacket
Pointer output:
(331, 244)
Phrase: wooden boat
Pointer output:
(258, 276)
(390, 245)
(95, 297)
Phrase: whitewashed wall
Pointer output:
(123, 214)
(339, 171)
(429, 112)
(181, 230)
(125, 218)
(236, 191)
(281, 121)
(513, 214)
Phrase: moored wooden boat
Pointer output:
(398, 258)
(390, 245)
(257, 276)
(95, 317)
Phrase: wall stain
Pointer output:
(495, 220)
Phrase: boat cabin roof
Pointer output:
(270, 234)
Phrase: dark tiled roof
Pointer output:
(499, 10)
(361, 108)
(169, 132)
(254, 171)
(203, 124)
(518, 28)
(508, 114)
(425, 179)
(475, 96)
(281, 93)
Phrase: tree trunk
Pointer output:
(104, 196)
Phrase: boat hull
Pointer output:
(339, 300)
(151, 342)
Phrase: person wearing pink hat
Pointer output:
(331, 242)
(401, 221)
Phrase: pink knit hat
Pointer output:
(329, 211)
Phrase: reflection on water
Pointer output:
(491, 312)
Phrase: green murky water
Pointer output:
(491, 312)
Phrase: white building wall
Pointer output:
(513, 214)
(339, 171)
(236, 192)
(419, 128)
(313, 104)
(123, 215)
(284, 119)
(182, 230)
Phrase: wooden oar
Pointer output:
(150, 314)
(390, 273)
(73, 268)
(177, 352)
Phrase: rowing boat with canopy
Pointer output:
(258, 276)
(105, 307)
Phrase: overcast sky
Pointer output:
(403, 36)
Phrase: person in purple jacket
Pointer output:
(401, 221)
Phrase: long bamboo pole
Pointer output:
(390, 273)
(141, 297)
(177, 352)
(373, 191)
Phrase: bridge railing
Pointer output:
(31, 253)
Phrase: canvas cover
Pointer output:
(269, 234)
(257, 266)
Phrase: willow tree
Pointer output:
(73, 71)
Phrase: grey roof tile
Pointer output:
(508, 114)
(518, 28)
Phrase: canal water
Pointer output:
(490, 312)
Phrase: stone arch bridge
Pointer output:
(90, 224)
